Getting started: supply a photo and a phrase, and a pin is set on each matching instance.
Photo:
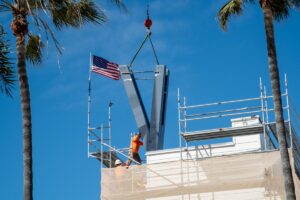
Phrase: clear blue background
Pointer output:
(207, 64)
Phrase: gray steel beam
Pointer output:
(135, 102)
(159, 102)
(153, 132)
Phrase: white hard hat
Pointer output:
(117, 162)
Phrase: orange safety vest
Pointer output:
(135, 144)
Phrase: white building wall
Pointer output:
(239, 144)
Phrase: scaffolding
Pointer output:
(100, 136)
(253, 107)
(194, 173)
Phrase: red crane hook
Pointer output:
(148, 23)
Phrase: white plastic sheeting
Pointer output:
(236, 177)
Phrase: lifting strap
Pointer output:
(147, 24)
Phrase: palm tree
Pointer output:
(6, 72)
(272, 10)
(62, 13)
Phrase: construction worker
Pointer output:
(121, 173)
(134, 147)
(119, 168)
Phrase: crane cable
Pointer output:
(147, 24)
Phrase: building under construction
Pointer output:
(242, 163)
(246, 166)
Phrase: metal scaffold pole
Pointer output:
(288, 109)
(179, 122)
(267, 116)
(109, 131)
(89, 105)
(263, 112)
(101, 148)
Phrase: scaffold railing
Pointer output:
(261, 107)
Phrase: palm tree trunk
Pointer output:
(26, 117)
(275, 83)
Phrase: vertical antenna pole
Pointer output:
(288, 109)
(101, 148)
(109, 131)
(101, 154)
(89, 105)
(262, 111)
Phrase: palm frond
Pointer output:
(280, 9)
(120, 4)
(7, 75)
(48, 30)
(249, 1)
(75, 14)
(232, 7)
(90, 12)
(34, 49)
(36, 4)
(295, 3)
(6, 5)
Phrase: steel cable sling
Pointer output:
(148, 24)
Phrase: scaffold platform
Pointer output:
(223, 132)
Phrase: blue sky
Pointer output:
(207, 64)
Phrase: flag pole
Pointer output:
(89, 104)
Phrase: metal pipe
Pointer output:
(89, 105)
(267, 116)
(101, 148)
(288, 109)
(184, 115)
(95, 135)
(96, 149)
(219, 116)
(116, 150)
(272, 109)
(262, 112)
(185, 126)
(179, 122)
(225, 102)
(139, 72)
(98, 128)
(94, 141)
(219, 103)
(90, 129)
(124, 149)
(224, 111)
(109, 130)
(145, 79)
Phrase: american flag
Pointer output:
(105, 68)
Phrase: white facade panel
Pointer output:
(239, 144)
